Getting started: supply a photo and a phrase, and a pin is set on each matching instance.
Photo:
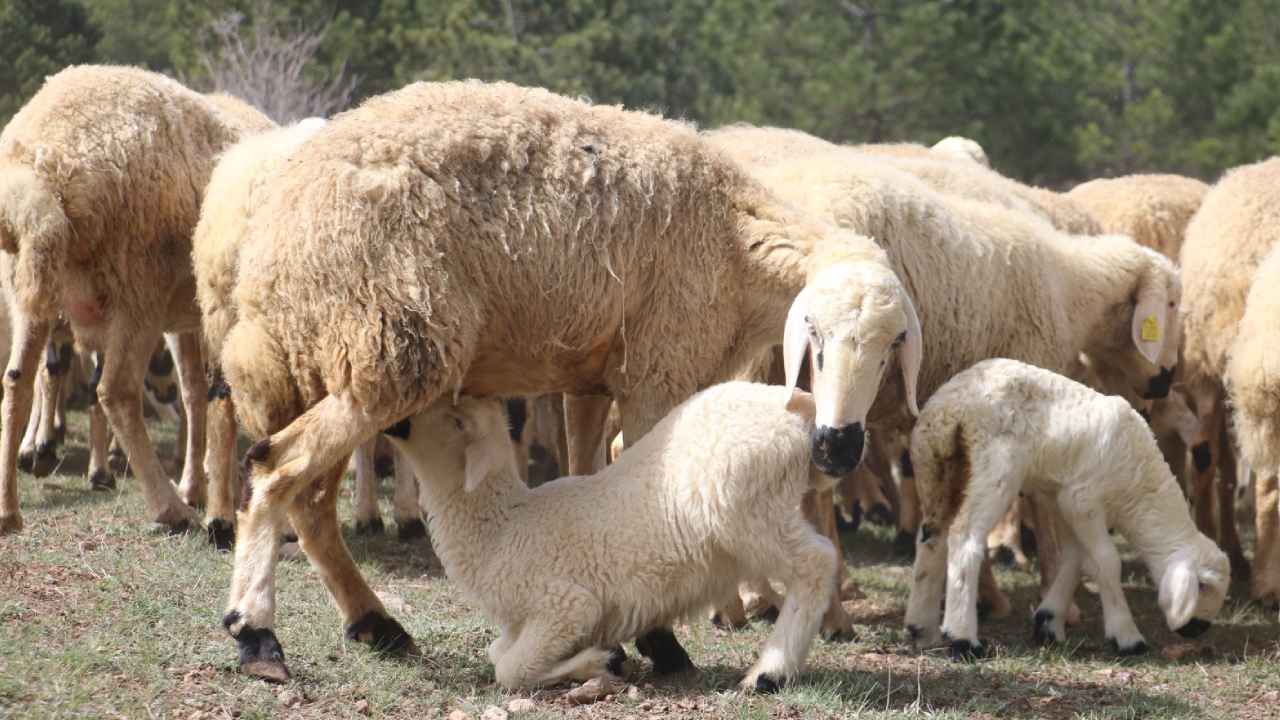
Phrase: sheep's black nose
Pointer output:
(836, 451)
(1194, 628)
(1158, 386)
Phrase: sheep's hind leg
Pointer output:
(195, 402)
(221, 468)
(1050, 618)
(368, 518)
(967, 553)
(928, 582)
(1091, 531)
(27, 341)
(408, 513)
(100, 476)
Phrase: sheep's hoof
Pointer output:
(905, 544)
(382, 633)
(10, 524)
(222, 535)
(664, 650)
(102, 480)
(767, 684)
(1194, 628)
(722, 622)
(770, 614)
(1005, 556)
(839, 634)
(26, 460)
(617, 656)
(1138, 648)
(1042, 634)
(370, 527)
(261, 655)
(852, 523)
(45, 460)
(384, 466)
(965, 651)
(914, 631)
(880, 514)
(410, 530)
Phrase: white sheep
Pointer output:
(573, 568)
(961, 148)
(1004, 427)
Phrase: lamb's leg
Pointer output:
(544, 654)
(967, 551)
(731, 614)
(584, 418)
(1048, 546)
(928, 581)
(1265, 587)
(1005, 541)
(1228, 536)
(1050, 618)
(760, 599)
(368, 518)
(27, 342)
(806, 564)
(318, 442)
(195, 404)
(221, 468)
(124, 364)
(408, 513)
(1091, 531)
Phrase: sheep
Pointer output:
(988, 281)
(101, 175)
(711, 494)
(1154, 210)
(368, 521)
(961, 148)
(498, 240)
(240, 113)
(1004, 427)
(1227, 239)
(1253, 381)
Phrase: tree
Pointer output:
(37, 39)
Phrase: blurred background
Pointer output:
(1055, 91)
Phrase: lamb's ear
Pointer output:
(795, 338)
(480, 463)
(911, 354)
(1150, 317)
(1179, 593)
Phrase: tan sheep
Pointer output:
(101, 175)
(1227, 239)
(497, 240)
(1154, 210)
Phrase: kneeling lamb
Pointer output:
(1003, 427)
(570, 569)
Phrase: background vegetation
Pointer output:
(1056, 90)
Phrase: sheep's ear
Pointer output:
(795, 338)
(1150, 318)
(480, 463)
(1179, 593)
(911, 354)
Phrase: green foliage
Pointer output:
(1056, 91)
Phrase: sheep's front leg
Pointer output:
(967, 550)
(29, 337)
(1091, 531)
(543, 654)
(1051, 617)
(368, 518)
(928, 580)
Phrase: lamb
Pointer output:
(710, 495)
(101, 175)
(495, 240)
(1234, 229)
(1003, 427)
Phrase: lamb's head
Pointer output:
(850, 321)
(1194, 586)
(461, 444)
(1141, 348)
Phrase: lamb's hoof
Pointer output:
(1194, 628)
(617, 656)
(382, 634)
(664, 650)
(102, 480)
(905, 544)
(1042, 632)
(767, 684)
(45, 461)
(222, 535)
(770, 614)
(410, 530)
(261, 655)
(1004, 556)
(1138, 648)
(370, 527)
(10, 524)
(965, 651)
(1239, 565)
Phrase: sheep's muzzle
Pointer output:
(837, 451)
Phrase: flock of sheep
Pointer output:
(979, 354)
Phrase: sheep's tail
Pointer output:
(34, 227)
(257, 370)
(943, 472)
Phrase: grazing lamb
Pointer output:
(1002, 428)
(1234, 229)
(488, 239)
(101, 175)
(573, 568)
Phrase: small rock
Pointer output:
(493, 712)
(459, 715)
(633, 693)
(592, 691)
(521, 705)
(362, 707)
(1183, 651)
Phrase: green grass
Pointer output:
(100, 617)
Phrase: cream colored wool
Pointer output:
(1253, 370)
(573, 568)
(240, 113)
(1154, 210)
(961, 148)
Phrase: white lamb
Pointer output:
(1003, 427)
(569, 569)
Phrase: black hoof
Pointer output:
(410, 530)
(102, 480)
(59, 434)
(617, 656)
(181, 528)
(1041, 634)
(222, 535)
(880, 514)
(46, 459)
(381, 633)
(664, 650)
(854, 521)
(261, 655)
(1004, 556)
(905, 544)
(965, 651)
(1027, 539)
(1194, 628)
(770, 614)
(1138, 648)
(718, 620)
(26, 460)
(384, 466)
(914, 632)
(371, 527)
(768, 684)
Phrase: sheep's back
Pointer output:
(1154, 210)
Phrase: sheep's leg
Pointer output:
(820, 510)
(1091, 531)
(1265, 587)
(521, 433)
(874, 504)
(408, 513)
(967, 552)
(283, 465)
(368, 518)
(123, 368)
(195, 405)
(1005, 541)
(27, 449)
(806, 564)
(584, 418)
(28, 340)
(550, 429)
(1228, 537)
(544, 654)
(45, 458)
(1204, 456)
(1050, 617)
(100, 475)
(221, 468)
(928, 582)
(1048, 546)
(909, 510)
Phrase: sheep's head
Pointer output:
(1142, 348)
(464, 442)
(1194, 587)
(850, 321)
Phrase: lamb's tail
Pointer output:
(33, 226)
(940, 459)
(257, 370)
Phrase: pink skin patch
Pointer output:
(85, 314)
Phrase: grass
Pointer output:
(100, 617)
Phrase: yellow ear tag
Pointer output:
(1151, 329)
